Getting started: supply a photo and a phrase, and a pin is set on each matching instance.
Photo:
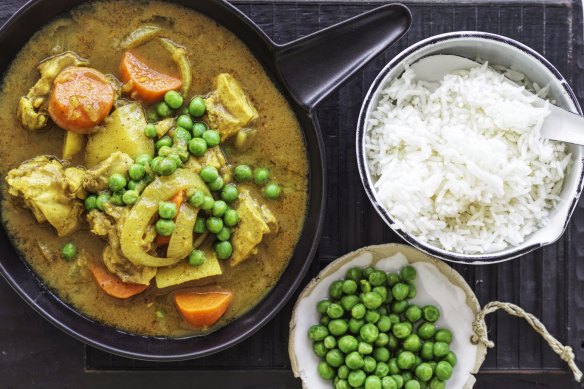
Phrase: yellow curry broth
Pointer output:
(92, 31)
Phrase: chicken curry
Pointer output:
(154, 177)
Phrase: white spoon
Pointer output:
(560, 124)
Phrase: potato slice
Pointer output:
(184, 272)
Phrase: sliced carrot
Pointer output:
(80, 99)
(178, 199)
(145, 83)
(113, 285)
(202, 310)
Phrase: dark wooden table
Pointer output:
(548, 283)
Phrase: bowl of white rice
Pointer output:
(457, 167)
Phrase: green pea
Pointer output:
(212, 138)
(165, 227)
(412, 343)
(431, 313)
(116, 182)
(167, 167)
(443, 370)
(224, 234)
(322, 306)
(197, 199)
(451, 358)
(155, 164)
(354, 360)
(130, 197)
(69, 251)
(364, 348)
(382, 311)
(369, 332)
(197, 147)
(336, 289)
(181, 134)
(338, 327)
(377, 278)
(197, 258)
(209, 174)
(334, 357)
(393, 343)
(216, 185)
(117, 198)
(242, 173)
(319, 349)
(165, 151)
(372, 300)
(348, 343)
(335, 311)
(223, 249)
(381, 370)
(441, 349)
(388, 383)
(219, 208)
(365, 286)
(406, 360)
(167, 210)
(173, 99)
(343, 372)
(413, 313)
(381, 291)
(150, 130)
(197, 106)
(355, 325)
(90, 202)
(392, 279)
(393, 367)
(398, 380)
(427, 351)
(163, 110)
(272, 191)
(381, 354)
(412, 292)
(400, 291)
(184, 121)
(200, 225)
(408, 273)
(325, 370)
(384, 323)
(342, 384)
(349, 301)
(356, 378)
(406, 375)
(355, 274)
(427, 330)
(143, 159)
(382, 339)
(164, 141)
(101, 201)
(208, 203)
(399, 306)
(373, 382)
(214, 224)
(368, 271)
(372, 316)
(401, 330)
(229, 193)
(199, 129)
(231, 218)
(394, 318)
(136, 171)
(436, 383)
(358, 311)
(325, 320)
(412, 384)
(261, 176)
(369, 364)
(443, 335)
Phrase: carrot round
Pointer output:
(80, 99)
(202, 310)
(145, 83)
(113, 285)
(178, 199)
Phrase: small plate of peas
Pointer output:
(385, 317)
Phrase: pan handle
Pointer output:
(314, 66)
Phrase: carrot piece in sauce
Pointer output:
(113, 285)
(202, 310)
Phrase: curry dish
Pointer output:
(153, 175)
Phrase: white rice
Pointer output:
(461, 165)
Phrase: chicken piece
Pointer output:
(252, 228)
(32, 109)
(75, 177)
(228, 108)
(106, 226)
(42, 184)
(97, 177)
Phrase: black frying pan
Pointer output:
(305, 71)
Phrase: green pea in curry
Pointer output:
(154, 177)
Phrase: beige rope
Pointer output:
(479, 328)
